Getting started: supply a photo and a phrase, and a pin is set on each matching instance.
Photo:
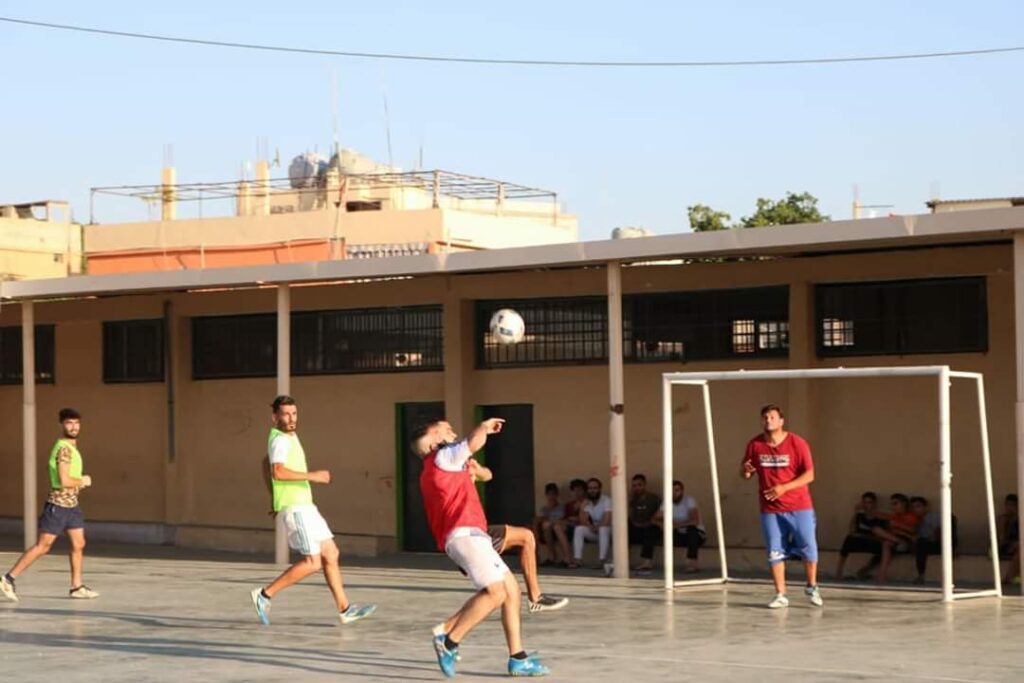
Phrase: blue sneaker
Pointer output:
(531, 666)
(445, 658)
(262, 606)
(356, 612)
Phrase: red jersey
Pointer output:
(779, 465)
(450, 499)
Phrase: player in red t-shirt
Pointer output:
(784, 468)
(459, 526)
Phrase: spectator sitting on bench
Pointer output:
(861, 538)
(544, 526)
(687, 529)
(929, 538)
(898, 536)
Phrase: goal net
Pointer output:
(943, 376)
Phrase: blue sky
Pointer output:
(620, 146)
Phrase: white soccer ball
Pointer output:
(507, 326)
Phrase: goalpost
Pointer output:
(941, 372)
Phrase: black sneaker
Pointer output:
(546, 603)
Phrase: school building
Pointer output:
(174, 371)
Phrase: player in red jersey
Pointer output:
(459, 527)
(784, 468)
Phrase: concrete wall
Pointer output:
(359, 227)
(37, 249)
(866, 434)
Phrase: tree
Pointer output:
(795, 208)
(704, 218)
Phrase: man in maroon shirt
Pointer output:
(459, 526)
(784, 468)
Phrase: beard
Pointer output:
(594, 497)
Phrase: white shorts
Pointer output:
(476, 555)
(307, 529)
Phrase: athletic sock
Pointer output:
(263, 592)
(519, 655)
(450, 644)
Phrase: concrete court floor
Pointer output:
(188, 617)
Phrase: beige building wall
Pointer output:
(359, 227)
(32, 248)
(866, 434)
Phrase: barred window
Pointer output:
(234, 346)
(836, 332)
(133, 351)
(673, 326)
(939, 315)
(368, 340)
(563, 331)
(400, 339)
(10, 354)
(707, 325)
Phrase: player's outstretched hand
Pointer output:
(493, 425)
(320, 477)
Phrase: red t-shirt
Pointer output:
(778, 465)
(450, 499)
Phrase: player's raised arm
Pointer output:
(478, 437)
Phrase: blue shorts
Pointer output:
(55, 519)
(790, 534)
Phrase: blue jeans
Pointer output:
(790, 534)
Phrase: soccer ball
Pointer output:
(507, 326)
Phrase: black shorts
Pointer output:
(497, 533)
(55, 519)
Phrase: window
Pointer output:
(234, 346)
(942, 315)
(10, 354)
(673, 326)
(401, 339)
(367, 340)
(133, 351)
(707, 325)
(564, 331)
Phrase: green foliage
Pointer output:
(795, 208)
(704, 218)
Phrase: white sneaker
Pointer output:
(7, 589)
(356, 612)
(780, 601)
(814, 594)
(83, 592)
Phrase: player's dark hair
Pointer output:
(1011, 497)
(900, 497)
(577, 484)
(639, 477)
(869, 494)
(420, 431)
(551, 487)
(68, 414)
(770, 407)
(919, 499)
(282, 400)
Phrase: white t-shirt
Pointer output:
(452, 457)
(681, 510)
(597, 510)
